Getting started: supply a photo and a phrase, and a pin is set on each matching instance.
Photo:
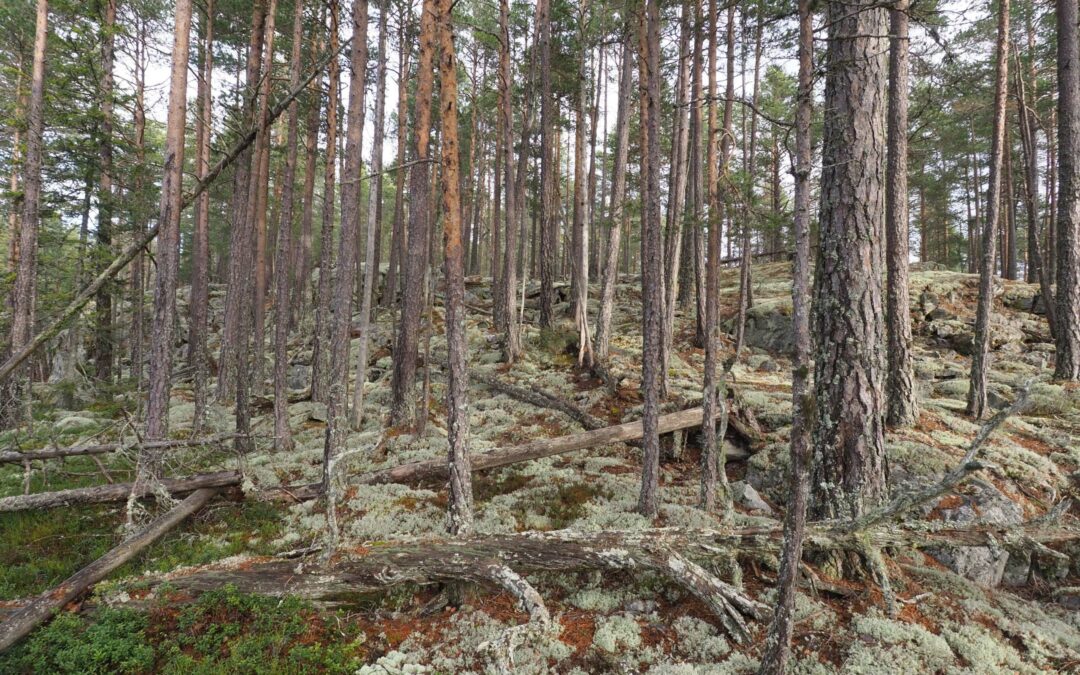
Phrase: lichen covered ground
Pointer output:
(1002, 614)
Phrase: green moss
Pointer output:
(42, 548)
(222, 632)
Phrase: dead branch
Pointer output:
(910, 499)
(435, 469)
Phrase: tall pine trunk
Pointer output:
(237, 302)
(337, 402)
(549, 169)
(651, 258)
(16, 410)
(403, 382)
(508, 324)
(460, 516)
(282, 434)
(200, 267)
(374, 198)
(976, 399)
(849, 359)
(104, 347)
(168, 255)
(1067, 365)
(900, 394)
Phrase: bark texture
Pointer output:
(778, 643)
(976, 399)
(168, 257)
(900, 395)
(17, 409)
(849, 471)
(459, 511)
(618, 195)
(337, 401)
(1067, 366)
(199, 298)
(652, 298)
(374, 201)
(403, 384)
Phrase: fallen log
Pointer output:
(117, 492)
(15, 457)
(664, 550)
(19, 624)
(433, 469)
(536, 396)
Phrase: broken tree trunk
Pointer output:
(116, 492)
(14, 457)
(19, 625)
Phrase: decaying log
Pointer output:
(19, 624)
(13, 457)
(666, 551)
(116, 492)
(433, 469)
(536, 396)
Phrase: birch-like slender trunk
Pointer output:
(320, 359)
(618, 195)
(778, 643)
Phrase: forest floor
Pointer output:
(975, 610)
